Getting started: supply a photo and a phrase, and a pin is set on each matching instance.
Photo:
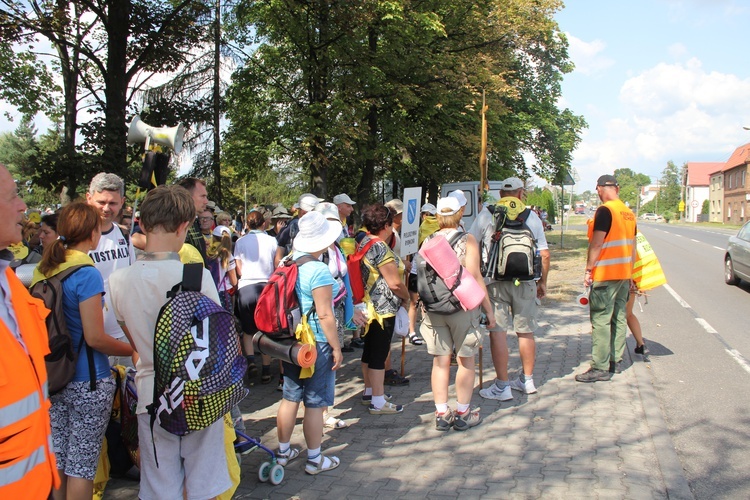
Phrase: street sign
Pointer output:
(681, 206)
(694, 204)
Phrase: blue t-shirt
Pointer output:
(313, 275)
(78, 287)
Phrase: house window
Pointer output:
(742, 210)
(743, 177)
(729, 186)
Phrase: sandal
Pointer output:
(265, 379)
(335, 423)
(284, 458)
(415, 339)
(325, 464)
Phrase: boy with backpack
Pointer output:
(191, 461)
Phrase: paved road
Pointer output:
(571, 440)
(697, 331)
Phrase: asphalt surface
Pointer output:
(604, 440)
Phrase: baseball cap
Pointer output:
(511, 184)
(330, 210)
(220, 230)
(429, 208)
(448, 206)
(607, 180)
(280, 213)
(396, 205)
(343, 198)
(308, 201)
(460, 196)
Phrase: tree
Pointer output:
(630, 186)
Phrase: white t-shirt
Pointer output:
(138, 293)
(113, 252)
(255, 252)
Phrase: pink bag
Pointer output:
(440, 255)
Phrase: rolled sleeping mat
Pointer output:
(289, 349)
(25, 272)
(440, 255)
(469, 292)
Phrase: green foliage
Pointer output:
(25, 82)
(543, 199)
(705, 207)
(630, 186)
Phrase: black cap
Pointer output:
(607, 180)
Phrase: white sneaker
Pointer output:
(493, 392)
(527, 386)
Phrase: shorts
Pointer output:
(316, 391)
(247, 298)
(79, 419)
(194, 462)
(378, 343)
(444, 332)
(412, 283)
(514, 306)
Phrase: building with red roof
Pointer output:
(697, 182)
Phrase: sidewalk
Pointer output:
(570, 440)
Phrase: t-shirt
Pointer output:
(113, 252)
(286, 237)
(153, 275)
(83, 284)
(310, 276)
(255, 252)
(603, 219)
(385, 302)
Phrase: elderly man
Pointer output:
(514, 299)
(28, 468)
(346, 207)
(609, 269)
(114, 251)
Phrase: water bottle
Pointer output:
(537, 265)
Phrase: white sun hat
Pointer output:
(316, 232)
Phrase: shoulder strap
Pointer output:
(63, 275)
(192, 277)
(455, 237)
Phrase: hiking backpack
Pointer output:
(513, 253)
(277, 311)
(435, 295)
(354, 266)
(198, 365)
(63, 356)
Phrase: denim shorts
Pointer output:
(316, 391)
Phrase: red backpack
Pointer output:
(277, 311)
(353, 264)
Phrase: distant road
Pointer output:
(698, 331)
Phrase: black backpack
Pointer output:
(512, 254)
(435, 295)
(63, 356)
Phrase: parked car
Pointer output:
(652, 217)
(737, 258)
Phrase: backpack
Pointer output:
(62, 359)
(354, 266)
(277, 311)
(513, 253)
(198, 365)
(435, 295)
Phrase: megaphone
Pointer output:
(170, 137)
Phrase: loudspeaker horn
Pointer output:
(170, 137)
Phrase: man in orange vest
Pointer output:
(27, 464)
(609, 269)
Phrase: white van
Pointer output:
(470, 189)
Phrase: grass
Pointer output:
(567, 265)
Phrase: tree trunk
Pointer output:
(216, 163)
(114, 154)
(318, 95)
(368, 171)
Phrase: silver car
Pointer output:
(737, 258)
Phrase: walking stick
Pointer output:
(480, 365)
(403, 355)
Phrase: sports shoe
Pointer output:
(367, 400)
(387, 409)
(594, 375)
(359, 343)
(641, 349)
(527, 386)
(466, 421)
(445, 421)
(494, 392)
(347, 348)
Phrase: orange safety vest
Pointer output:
(615, 261)
(27, 463)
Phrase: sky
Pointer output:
(656, 80)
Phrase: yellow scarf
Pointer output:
(428, 226)
(72, 258)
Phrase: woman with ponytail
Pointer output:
(222, 265)
(80, 412)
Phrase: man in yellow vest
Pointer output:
(27, 464)
(609, 270)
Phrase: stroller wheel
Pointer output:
(277, 474)
(264, 472)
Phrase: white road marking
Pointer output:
(733, 353)
(719, 248)
(691, 239)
